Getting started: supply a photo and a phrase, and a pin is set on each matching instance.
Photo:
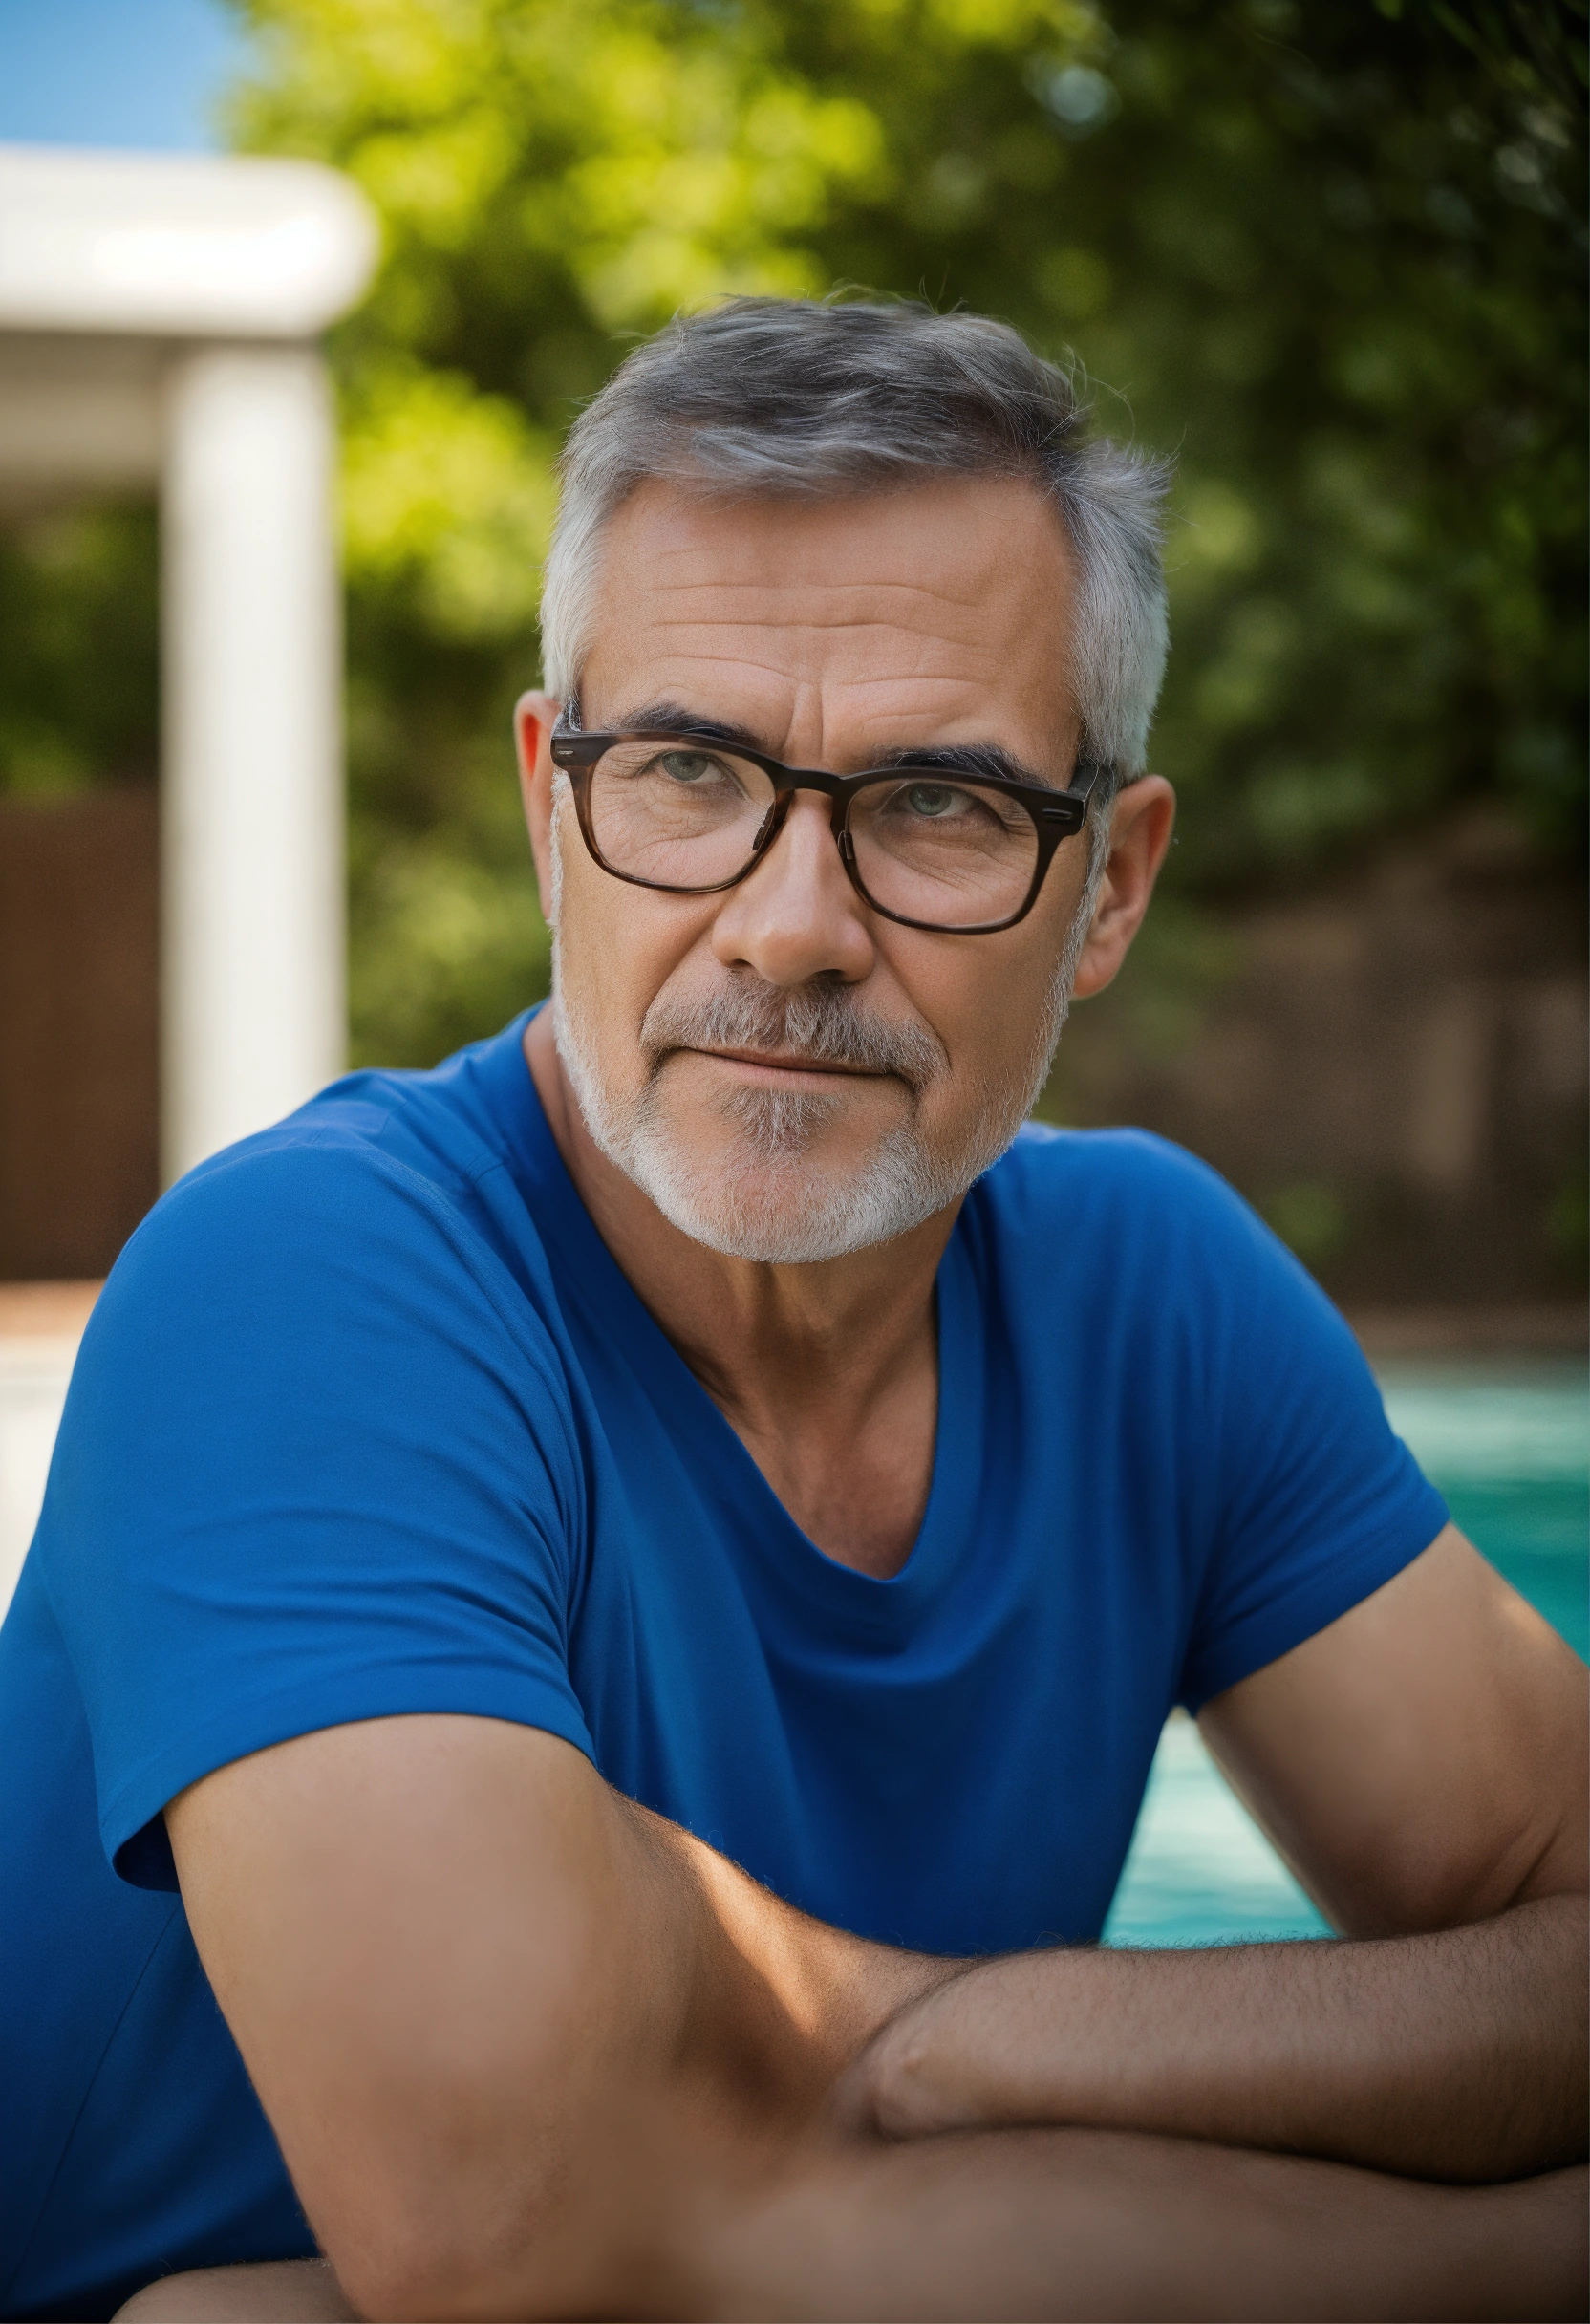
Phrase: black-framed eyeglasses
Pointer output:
(960, 853)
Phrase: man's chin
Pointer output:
(813, 1203)
(777, 1175)
(831, 1120)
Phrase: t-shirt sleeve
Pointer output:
(1310, 1503)
(317, 1465)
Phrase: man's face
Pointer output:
(788, 1074)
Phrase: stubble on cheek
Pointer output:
(605, 977)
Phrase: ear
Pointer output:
(1139, 834)
(534, 716)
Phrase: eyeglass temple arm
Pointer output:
(1078, 792)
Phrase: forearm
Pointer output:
(1455, 2055)
(1057, 2223)
(1048, 2224)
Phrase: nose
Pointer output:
(797, 916)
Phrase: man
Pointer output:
(611, 1604)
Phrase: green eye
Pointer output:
(688, 766)
(934, 799)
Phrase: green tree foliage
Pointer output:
(1330, 256)
(79, 651)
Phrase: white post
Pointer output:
(253, 917)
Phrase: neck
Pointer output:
(828, 1372)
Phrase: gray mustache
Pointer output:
(821, 1023)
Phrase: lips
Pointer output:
(816, 1030)
(783, 1063)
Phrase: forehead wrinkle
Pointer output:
(796, 694)
(757, 666)
(838, 625)
(672, 561)
(920, 653)
(891, 585)
(744, 664)
(848, 699)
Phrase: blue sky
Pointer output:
(141, 72)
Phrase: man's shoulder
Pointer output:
(444, 1126)
(1123, 1175)
(378, 1190)
(375, 1140)
(1124, 1223)
(1127, 1243)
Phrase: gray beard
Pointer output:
(770, 1199)
(770, 1202)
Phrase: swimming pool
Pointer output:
(1510, 1447)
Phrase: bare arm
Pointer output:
(530, 2052)
(1097, 2225)
(1422, 1765)
(1086, 2224)
(498, 2018)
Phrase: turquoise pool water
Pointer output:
(1510, 1447)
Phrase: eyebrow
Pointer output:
(986, 759)
(670, 718)
(968, 758)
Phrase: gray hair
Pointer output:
(794, 395)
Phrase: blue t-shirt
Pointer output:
(367, 1420)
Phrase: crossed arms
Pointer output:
(531, 2051)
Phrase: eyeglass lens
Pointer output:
(947, 850)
